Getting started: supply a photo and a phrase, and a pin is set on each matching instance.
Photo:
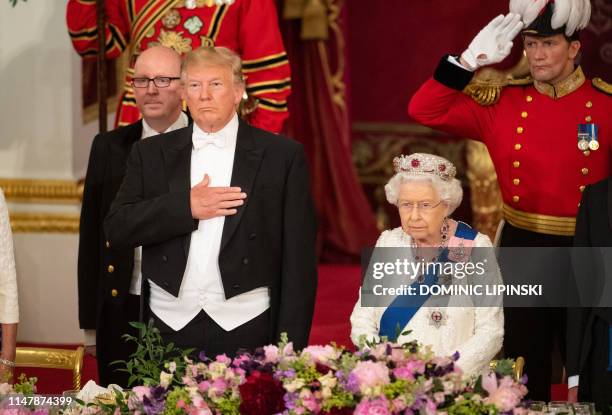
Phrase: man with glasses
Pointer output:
(109, 279)
(248, 27)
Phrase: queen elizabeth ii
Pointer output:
(426, 193)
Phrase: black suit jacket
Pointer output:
(269, 242)
(105, 172)
(593, 229)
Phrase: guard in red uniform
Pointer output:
(249, 27)
(548, 137)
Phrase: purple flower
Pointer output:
(155, 403)
(352, 384)
(290, 399)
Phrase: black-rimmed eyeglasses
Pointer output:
(159, 81)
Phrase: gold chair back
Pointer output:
(48, 358)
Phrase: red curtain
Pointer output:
(319, 119)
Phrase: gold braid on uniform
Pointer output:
(602, 85)
(486, 85)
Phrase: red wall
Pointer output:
(394, 45)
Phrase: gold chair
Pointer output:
(49, 358)
(517, 367)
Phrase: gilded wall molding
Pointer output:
(42, 191)
(44, 222)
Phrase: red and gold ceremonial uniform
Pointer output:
(532, 136)
(248, 27)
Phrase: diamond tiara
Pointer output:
(425, 164)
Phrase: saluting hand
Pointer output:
(209, 202)
(493, 43)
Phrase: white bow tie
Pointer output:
(202, 140)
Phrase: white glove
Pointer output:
(493, 43)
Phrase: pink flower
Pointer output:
(141, 392)
(439, 397)
(403, 373)
(506, 395)
(430, 408)
(321, 354)
(218, 387)
(410, 369)
(203, 386)
(373, 407)
(271, 353)
(288, 349)
(187, 381)
(222, 358)
(370, 374)
(309, 401)
(398, 404)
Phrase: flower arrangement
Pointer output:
(384, 378)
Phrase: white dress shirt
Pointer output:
(147, 131)
(202, 287)
(9, 307)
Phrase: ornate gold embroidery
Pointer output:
(192, 4)
(207, 42)
(171, 19)
(175, 40)
(563, 88)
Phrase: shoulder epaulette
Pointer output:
(488, 91)
(602, 85)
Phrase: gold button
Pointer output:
(585, 171)
(588, 118)
(529, 98)
(107, 244)
(516, 181)
(586, 153)
(111, 269)
(581, 188)
(589, 104)
(114, 292)
(524, 114)
(520, 130)
(517, 146)
(516, 164)
(515, 199)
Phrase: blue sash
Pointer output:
(404, 307)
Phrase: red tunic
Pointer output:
(249, 27)
(532, 140)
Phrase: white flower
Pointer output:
(165, 379)
(294, 385)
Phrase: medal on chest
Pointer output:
(588, 137)
(437, 318)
